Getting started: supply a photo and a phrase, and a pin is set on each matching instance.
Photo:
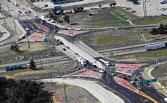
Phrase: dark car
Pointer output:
(133, 11)
(29, 11)
(20, 12)
(127, 8)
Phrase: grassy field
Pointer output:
(160, 71)
(111, 38)
(1, 34)
(33, 46)
(150, 55)
(113, 18)
(26, 72)
(151, 20)
(124, 14)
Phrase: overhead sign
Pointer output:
(46, 40)
(148, 81)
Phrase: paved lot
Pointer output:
(153, 7)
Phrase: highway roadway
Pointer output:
(133, 46)
(129, 52)
(132, 96)
(19, 12)
(49, 63)
(96, 90)
(147, 88)
(42, 60)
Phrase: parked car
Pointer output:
(127, 8)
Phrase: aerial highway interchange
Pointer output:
(109, 49)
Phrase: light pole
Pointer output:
(2, 13)
(65, 92)
(137, 87)
(15, 27)
(40, 62)
(27, 30)
(51, 78)
(144, 8)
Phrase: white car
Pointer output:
(101, 71)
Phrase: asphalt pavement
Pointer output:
(147, 88)
(96, 90)
(26, 62)
(132, 96)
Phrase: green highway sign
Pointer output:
(148, 81)
(46, 40)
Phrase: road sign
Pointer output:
(111, 53)
(46, 40)
(148, 81)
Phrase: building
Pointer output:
(64, 1)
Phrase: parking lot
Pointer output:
(153, 7)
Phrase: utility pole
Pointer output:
(137, 87)
(40, 62)
(2, 13)
(27, 30)
(28, 43)
(51, 78)
(15, 27)
(144, 8)
(65, 92)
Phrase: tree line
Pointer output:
(162, 29)
(23, 91)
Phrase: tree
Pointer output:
(165, 27)
(100, 6)
(23, 91)
(113, 4)
(32, 64)
(15, 47)
(161, 26)
(154, 31)
(66, 18)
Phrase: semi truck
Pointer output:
(155, 46)
(15, 67)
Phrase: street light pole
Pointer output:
(137, 87)
(15, 27)
(2, 13)
(51, 78)
(28, 43)
(40, 62)
(65, 92)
